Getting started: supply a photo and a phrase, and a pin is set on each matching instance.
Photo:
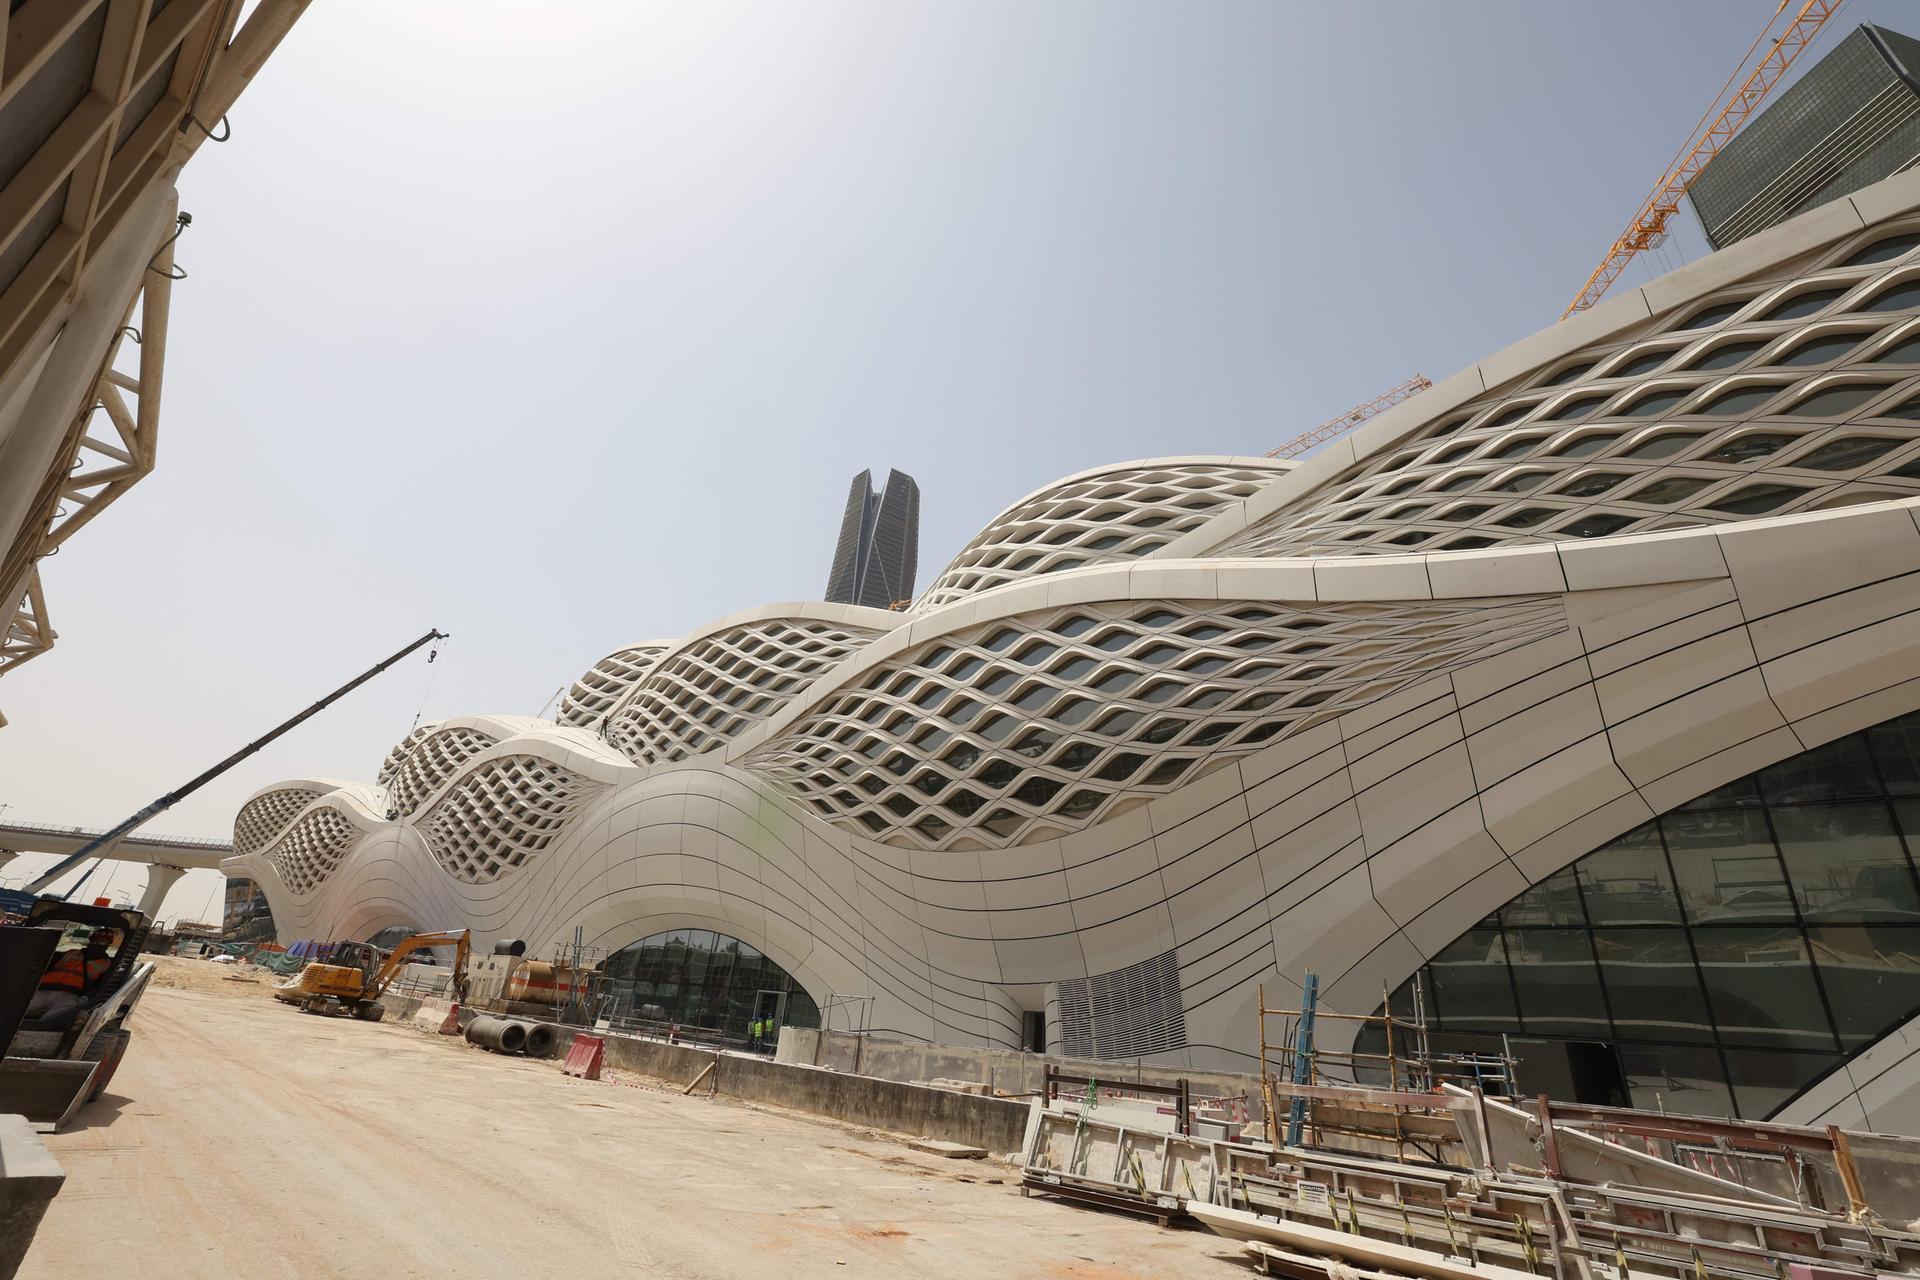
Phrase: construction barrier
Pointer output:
(585, 1057)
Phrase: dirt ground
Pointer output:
(242, 1138)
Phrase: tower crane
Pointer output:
(1351, 418)
(1649, 226)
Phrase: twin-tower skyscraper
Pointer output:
(878, 553)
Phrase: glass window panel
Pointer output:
(1470, 984)
(1896, 745)
(1756, 498)
(1726, 866)
(1761, 989)
(1596, 526)
(1658, 402)
(1594, 482)
(1820, 350)
(1725, 357)
(1652, 984)
(1748, 447)
(1559, 986)
(1706, 317)
(1899, 298)
(1845, 862)
(1640, 364)
(1907, 352)
(1838, 771)
(1884, 250)
(1739, 400)
(1837, 399)
(1849, 453)
(1872, 977)
(1587, 446)
(1553, 902)
(1764, 1081)
(1689, 1081)
(1735, 795)
(1627, 882)
(1804, 304)
(1670, 490)
(1663, 446)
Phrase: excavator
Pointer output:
(357, 974)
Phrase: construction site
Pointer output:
(1467, 840)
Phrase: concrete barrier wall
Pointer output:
(1003, 1069)
(994, 1124)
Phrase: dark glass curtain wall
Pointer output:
(702, 980)
(1726, 954)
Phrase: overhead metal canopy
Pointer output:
(102, 102)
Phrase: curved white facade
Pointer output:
(1291, 735)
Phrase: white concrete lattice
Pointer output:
(593, 695)
(1331, 753)
(1107, 514)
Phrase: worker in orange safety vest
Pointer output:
(70, 976)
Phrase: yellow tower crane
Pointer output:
(1351, 418)
(1649, 226)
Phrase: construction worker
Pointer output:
(71, 975)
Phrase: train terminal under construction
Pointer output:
(1475, 836)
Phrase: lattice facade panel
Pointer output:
(1128, 1013)
(1097, 518)
(719, 686)
(594, 694)
(1030, 727)
(433, 760)
(503, 813)
(404, 748)
(310, 850)
(1798, 395)
(265, 816)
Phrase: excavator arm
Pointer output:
(459, 939)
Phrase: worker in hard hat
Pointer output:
(71, 975)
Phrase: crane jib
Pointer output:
(100, 844)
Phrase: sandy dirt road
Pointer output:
(242, 1138)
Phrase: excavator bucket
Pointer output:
(47, 1091)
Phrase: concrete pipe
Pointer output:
(540, 1038)
(510, 947)
(497, 1034)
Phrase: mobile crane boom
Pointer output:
(107, 839)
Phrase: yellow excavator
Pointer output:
(357, 974)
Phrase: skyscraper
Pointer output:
(1851, 120)
(879, 547)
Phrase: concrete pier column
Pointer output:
(160, 878)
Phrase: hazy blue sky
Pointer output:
(564, 334)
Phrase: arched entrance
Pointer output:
(703, 981)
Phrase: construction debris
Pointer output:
(950, 1150)
(1450, 1181)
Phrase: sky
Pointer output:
(561, 335)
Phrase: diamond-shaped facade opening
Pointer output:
(264, 816)
(503, 813)
(1782, 398)
(431, 762)
(1095, 707)
(307, 854)
(594, 694)
(716, 688)
(1098, 517)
